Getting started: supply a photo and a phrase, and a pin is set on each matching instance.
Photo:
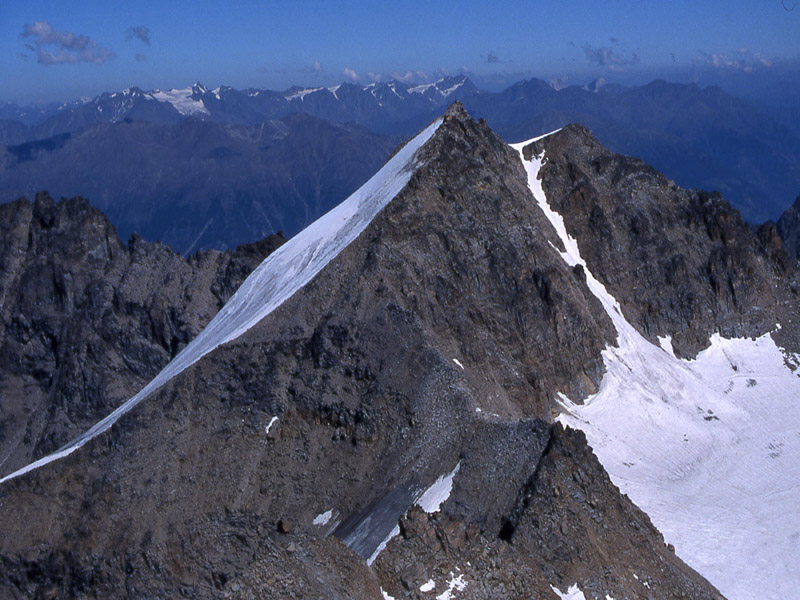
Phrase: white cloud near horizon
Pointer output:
(350, 74)
(609, 58)
(745, 61)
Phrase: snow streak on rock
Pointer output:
(386, 596)
(709, 448)
(276, 279)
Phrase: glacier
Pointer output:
(708, 448)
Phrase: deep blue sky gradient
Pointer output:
(275, 44)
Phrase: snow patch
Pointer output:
(428, 586)
(433, 498)
(323, 518)
(573, 593)
(455, 360)
(455, 584)
(430, 501)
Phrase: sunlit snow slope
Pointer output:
(276, 279)
(709, 448)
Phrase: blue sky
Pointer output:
(57, 50)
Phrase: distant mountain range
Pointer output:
(191, 166)
(389, 108)
(196, 184)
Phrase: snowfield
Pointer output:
(709, 448)
(182, 101)
(276, 279)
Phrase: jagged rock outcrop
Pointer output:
(788, 227)
(430, 349)
(85, 321)
(681, 262)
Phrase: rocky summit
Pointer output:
(379, 411)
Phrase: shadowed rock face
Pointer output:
(788, 227)
(85, 321)
(190, 494)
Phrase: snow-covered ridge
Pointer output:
(424, 87)
(299, 94)
(709, 448)
(276, 279)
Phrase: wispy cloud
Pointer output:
(412, 76)
(64, 47)
(315, 67)
(350, 74)
(609, 58)
(139, 32)
(406, 77)
(492, 58)
(744, 61)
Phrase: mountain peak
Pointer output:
(411, 348)
(456, 111)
